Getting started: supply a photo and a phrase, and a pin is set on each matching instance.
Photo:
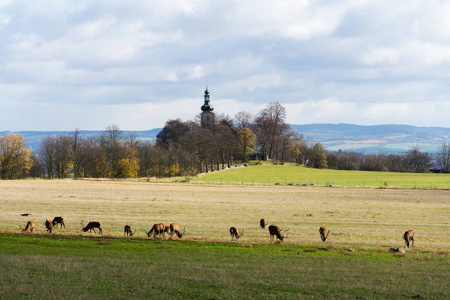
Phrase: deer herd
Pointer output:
(160, 230)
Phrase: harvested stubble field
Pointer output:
(363, 217)
(206, 262)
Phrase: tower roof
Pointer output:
(206, 106)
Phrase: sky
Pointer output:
(136, 64)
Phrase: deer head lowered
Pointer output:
(92, 225)
(58, 220)
(276, 231)
(175, 229)
(234, 232)
(29, 227)
(323, 233)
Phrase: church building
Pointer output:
(207, 116)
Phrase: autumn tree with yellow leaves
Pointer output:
(15, 158)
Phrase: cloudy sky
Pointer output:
(136, 64)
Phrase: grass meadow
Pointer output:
(206, 263)
(268, 174)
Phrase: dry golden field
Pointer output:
(356, 217)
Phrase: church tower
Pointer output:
(207, 117)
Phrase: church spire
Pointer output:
(207, 116)
(206, 106)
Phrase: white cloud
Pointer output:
(296, 20)
(363, 59)
(333, 111)
(380, 56)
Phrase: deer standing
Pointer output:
(48, 225)
(408, 236)
(263, 223)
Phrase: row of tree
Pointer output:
(186, 149)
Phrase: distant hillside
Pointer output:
(364, 139)
(376, 138)
(34, 138)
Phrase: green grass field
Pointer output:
(55, 267)
(206, 263)
(293, 175)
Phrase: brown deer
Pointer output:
(234, 233)
(157, 229)
(167, 229)
(92, 225)
(29, 227)
(408, 236)
(127, 230)
(263, 223)
(323, 233)
(48, 225)
(58, 220)
(174, 228)
(276, 231)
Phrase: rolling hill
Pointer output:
(375, 138)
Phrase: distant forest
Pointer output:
(184, 148)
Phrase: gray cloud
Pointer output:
(89, 64)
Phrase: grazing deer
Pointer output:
(29, 227)
(167, 229)
(174, 228)
(92, 225)
(323, 233)
(263, 223)
(275, 231)
(48, 225)
(234, 233)
(58, 220)
(408, 236)
(127, 230)
(157, 229)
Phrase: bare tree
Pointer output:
(63, 156)
(111, 140)
(348, 161)
(76, 153)
(243, 120)
(269, 126)
(92, 159)
(47, 153)
(443, 158)
(417, 161)
(374, 162)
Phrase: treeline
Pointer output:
(186, 149)
(413, 161)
